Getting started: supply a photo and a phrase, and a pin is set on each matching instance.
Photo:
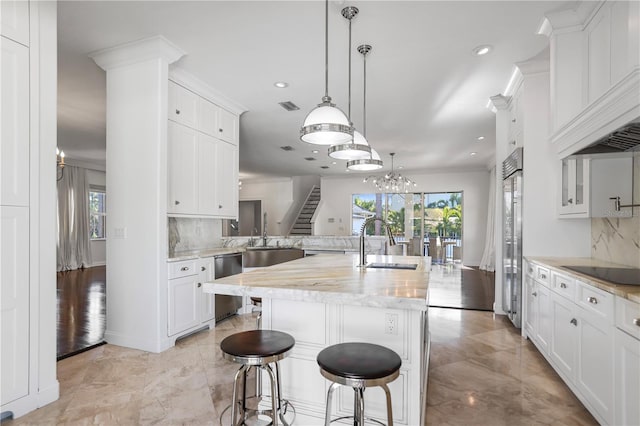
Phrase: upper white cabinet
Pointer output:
(14, 20)
(588, 184)
(595, 71)
(516, 120)
(202, 156)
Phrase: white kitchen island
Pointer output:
(327, 299)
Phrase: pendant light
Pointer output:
(357, 148)
(373, 162)
(326, 124)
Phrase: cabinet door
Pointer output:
(530, 303)
(627, 381)
(14, 21)
(227, 179)
(563, 335)
(227, 126)
(183, 105)
(543, 324)
(14, 150)
(594, 375)
(14, 323)
(184, 304)
(207, 152)
(574, 191)
(182, 169)
(207, 299)
(208, 117)
(611, 177)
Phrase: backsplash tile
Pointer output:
(616, 240)
(187, 234)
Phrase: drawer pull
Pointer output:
(543, 276)
(592, 299)
(563, 285)
(534, 294)
(184, 268)
(177, 112)
(177, 202)
(202, 268)
(530, 270)
(219, 206)
(220, 130)
(199, 285)
(570, 201)
(636, 321)
(574, 322)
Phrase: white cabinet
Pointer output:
(627, 362)
(203, 157)
(564, 344)
(588, 184)
(14, 21)
(14, 151)
(516, 121)
(537, 321)
(15, 303)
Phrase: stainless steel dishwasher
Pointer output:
(225, 265)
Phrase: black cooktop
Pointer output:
(625, 276)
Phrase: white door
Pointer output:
(14, 21)
(183, 105)
(182, 165)
(227, 179)
(627, 392)
(207, 184)
(206, 267)
(543, 324)
(227, 126)
(563, 335)
(14, 233)
(531, 305)
(14, 122)
(184, 304)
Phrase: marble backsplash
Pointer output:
(616, 240)
(187, 234)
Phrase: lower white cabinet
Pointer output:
(627, 362)
(189, 308)
(537, 321)
(564, 337)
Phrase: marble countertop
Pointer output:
(631, 292)
(335, 279)
(197, 254)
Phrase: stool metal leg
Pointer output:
(327, 414)
(274, 394)
(236, 391)
(389, 409)
(360, 398)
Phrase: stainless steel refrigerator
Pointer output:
(512, 236)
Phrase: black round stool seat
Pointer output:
(257, 347)
(362, 361)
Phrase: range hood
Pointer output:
(626, 138)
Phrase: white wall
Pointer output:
(276, 196)
(334, 215)
(98, 248)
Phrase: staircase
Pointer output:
(302, 225)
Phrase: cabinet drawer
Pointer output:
(595, 301)
(542, 274)
(182, 269)
(530, 270)
(628, 316)
(563, 285)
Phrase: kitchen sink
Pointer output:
(412, 266)
(258, 257)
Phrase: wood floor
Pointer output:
(81, 309)
(462, 287)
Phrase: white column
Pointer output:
(137, 86)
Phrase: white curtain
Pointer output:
(74, 250)
(488, 262)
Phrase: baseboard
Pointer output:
(94, 264)
(31, 402)
(134, 342)
(49, 394)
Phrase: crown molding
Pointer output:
(137, 51)
(568, 20)
(500, 102)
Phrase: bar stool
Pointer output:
(257, 307)
(359, 365)
(260, 349)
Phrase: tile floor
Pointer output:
(481, 373)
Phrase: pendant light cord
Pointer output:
(326, 49)
(349, 115)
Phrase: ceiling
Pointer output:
(427, 92)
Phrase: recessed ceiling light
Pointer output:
(401, 167)
(480, 138)
(281, 84)
(315, 151)
(482, 50)
(333, 162)
(472, 153)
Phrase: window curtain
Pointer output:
(488, 262)
(74, 250)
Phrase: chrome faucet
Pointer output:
(392, 241)
(264, 230)
(252, 243)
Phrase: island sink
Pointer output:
(411, 266)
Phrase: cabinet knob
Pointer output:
(574, 322)
(570, 201)
(220, 130)
(534, 294)
(543, 276)
(563, 285)
(513, 120)
(199, 285)
(177, 202)
(219, 206)
(530, 270)
(184, 268)
(592, 299)
(636, 321)
(202, 268)
(513, 142)
(177, 112)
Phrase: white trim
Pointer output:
(86, 164)
(137, 51)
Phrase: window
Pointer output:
(97, 214)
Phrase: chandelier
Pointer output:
(326, 124)
(392, 181)
(59, 164)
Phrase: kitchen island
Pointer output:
(328, 299)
